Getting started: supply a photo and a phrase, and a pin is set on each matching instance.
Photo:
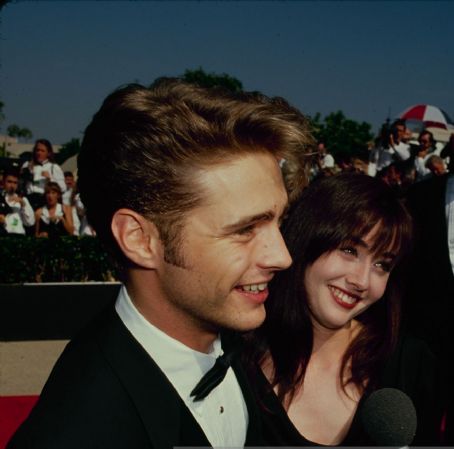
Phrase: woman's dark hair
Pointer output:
(330, 212)
(48, 146)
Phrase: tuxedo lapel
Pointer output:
(233, 341)
(254, 431)
(161, 409)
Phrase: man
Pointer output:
(436, 165)
(430, 296)
(424, 151)
(391, 147)
(17, 212)
(183, 186)
(325, 160)
(70, 184)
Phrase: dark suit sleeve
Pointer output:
(83, 405)
(415, 370)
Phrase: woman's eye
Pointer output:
(383, 265)
(349, 250)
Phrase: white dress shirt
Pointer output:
(20, 216)
(449, 202)
(222, 415)
(39, 181)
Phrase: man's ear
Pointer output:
(137, 237)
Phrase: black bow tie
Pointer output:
(213, 377)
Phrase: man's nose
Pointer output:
(274, 254)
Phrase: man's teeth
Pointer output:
(254, 287)
(343, 296)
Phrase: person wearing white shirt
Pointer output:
(183, 185)
(390, 147)
(41, 170)
(20, 214)
(425, 151)
(70, 183)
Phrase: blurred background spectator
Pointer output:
(68, 194)
(436, 165)
(40, 170)
(55, 219)
(15, 210)
(391, 146)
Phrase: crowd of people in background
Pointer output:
(395, 157)
(39, 199)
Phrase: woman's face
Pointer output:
(52, 197)
(41, 152)
(343, 283)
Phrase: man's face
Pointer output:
(400, 132)
(425, 142)
(438, 168)
(231, 247)
(69, 181)
(11, 183)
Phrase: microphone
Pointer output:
(389, 418)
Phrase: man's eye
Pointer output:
(246, 230)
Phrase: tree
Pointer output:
(17, 131)
(67, 150)
(201, 78)
(342, 135)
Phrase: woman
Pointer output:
(39, 171)
(333, 318)
(54, 219)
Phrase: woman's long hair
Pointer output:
(331, 212)
(50, 150)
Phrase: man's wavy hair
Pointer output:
(144, 147)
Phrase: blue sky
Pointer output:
(59, 59)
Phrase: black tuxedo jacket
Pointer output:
(430, 298)
(429, 305)
(106, 392)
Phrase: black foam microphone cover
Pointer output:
(389, 417)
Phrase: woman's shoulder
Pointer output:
(411, 363)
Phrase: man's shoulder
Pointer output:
(86, 401)
(426, 191)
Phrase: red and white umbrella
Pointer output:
(431, 116)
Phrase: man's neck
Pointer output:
(169, 318)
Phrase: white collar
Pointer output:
(183, 366)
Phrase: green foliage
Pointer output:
(66, 259)
(17, 131)
(67, 150)
(201, 78)
(342, 135)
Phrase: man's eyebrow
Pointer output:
(247, 221)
